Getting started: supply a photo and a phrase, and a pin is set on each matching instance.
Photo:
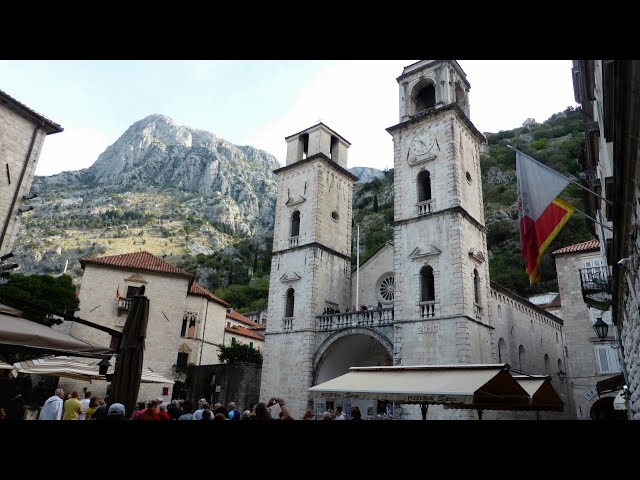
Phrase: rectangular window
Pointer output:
(132, 291)
(607, 359)
(233, 341)
(608, 189)
(183, 358)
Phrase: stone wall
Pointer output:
(16, 134)
(224, 383)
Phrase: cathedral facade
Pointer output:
(424, 298)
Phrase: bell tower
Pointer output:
(440, 247)
(311, 262)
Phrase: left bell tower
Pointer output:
(311, 261)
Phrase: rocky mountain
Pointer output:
(366, 174)
(175, 189)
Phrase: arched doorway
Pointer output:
(356, 347)
(603, 410)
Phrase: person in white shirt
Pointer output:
(52, 408)
(339, 414)
(84, 403)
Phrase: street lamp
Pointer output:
(103, 366)
(601, 328)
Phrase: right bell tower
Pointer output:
(440, 246)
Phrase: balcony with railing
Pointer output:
(596, 287)
(124, 305)
(287, 324)
(429, 309)
(478, 311)
(293, 241)
(425, 207)
(375, 317)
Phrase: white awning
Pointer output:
(479, 386)
(59, 366)
(619, 402)
(148, 376)
(5, 366)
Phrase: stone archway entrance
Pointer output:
(354, 347)
(603, 410)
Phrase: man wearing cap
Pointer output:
(116, 412)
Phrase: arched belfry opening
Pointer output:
(304, 145)
(423, 96)
(289, 308)
(427, 285)
(424, 186)
(295, 224)
(461, 98)
(333, 148)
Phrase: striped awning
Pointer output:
(59, 366)
(5, 366)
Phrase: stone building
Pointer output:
(589, 359)
(432, 281)
(22, 134)
(187, 323)
(608, 93)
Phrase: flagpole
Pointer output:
(568, 178)
(591, 218)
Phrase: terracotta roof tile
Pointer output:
(143, 261)
(555, 303)
(262, 326)
(245, 332)
(199, 290)
(240, 318)
(579, 247)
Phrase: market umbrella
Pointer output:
(126, 378)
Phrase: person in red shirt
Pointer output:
(151, 412)
(163, 412)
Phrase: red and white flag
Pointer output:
(542, 215)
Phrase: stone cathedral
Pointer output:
(428, 293)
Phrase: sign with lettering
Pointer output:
(590, 394)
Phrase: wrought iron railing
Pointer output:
(596, 287)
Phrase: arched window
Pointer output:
(521, 357)
(459, 95)
(547, 364)
(559, 365)
(502, 351)
(290, 302)
(425, 97)
(295, 224)
(476, 286)
(424, 186)
(428, 291)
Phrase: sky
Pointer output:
(259, 103)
